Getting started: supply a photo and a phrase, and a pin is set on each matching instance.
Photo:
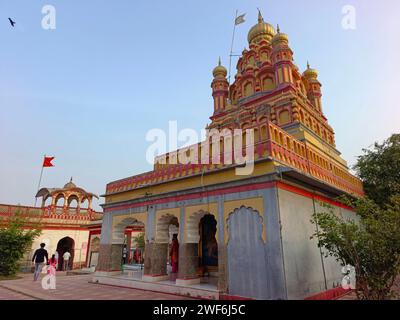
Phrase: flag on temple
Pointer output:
(47, 162)
(240, 19)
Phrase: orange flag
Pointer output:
(47, 162)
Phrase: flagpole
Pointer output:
(230, 55)
(40, 181)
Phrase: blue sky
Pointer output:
(88, 92)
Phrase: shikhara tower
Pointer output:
(252, 233)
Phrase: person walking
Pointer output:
(66, 257)
(52, 265)
(38, 260)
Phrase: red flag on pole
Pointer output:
(47, 162)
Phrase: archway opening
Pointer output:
(64, 245)
(128, 238)
(208, 246)
(166, 240)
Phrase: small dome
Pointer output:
(220, 71)
(261, 30)
(70, 185)
(310, 73)
(280, 37)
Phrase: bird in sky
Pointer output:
(11, 22)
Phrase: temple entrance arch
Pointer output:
(163, 228)
(199, 254)
(246, 253)
(122, 240)
(156, 263)
(208, 246)
(64, 245)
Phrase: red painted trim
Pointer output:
(95, 232)
(331, 294)
(257, 186)
(58, 228)
(310, 195)
(263, 185)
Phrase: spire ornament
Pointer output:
(260, 17)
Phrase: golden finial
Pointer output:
(260, 17)
(278, 29)
(308, 65)
(219, 61)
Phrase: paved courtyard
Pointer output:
(75, 287)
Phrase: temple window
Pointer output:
(268, 84)
(284, 117)
(248, 89)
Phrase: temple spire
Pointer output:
(260, 17)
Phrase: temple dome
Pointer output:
(262, 30)
(220, 71)
(310, 73)
(280, 38)
(70, 185)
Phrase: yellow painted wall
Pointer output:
(260, 168)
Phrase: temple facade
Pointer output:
(248, 235)
(68, 222)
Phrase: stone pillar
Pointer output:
(222, 250)
(110, 258)
(128, 246)
(109, 253)
(155, 263)
(188, 263)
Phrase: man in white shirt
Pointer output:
(66, 257)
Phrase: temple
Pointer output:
(68, 223)
(244, 236)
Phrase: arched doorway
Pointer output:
(65, 244)
(208, 246)
(201, 238)
(122, 241)
(167, 226)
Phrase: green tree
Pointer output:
(15, 241)
(371, 244)
(139, 240)
(379, 168)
